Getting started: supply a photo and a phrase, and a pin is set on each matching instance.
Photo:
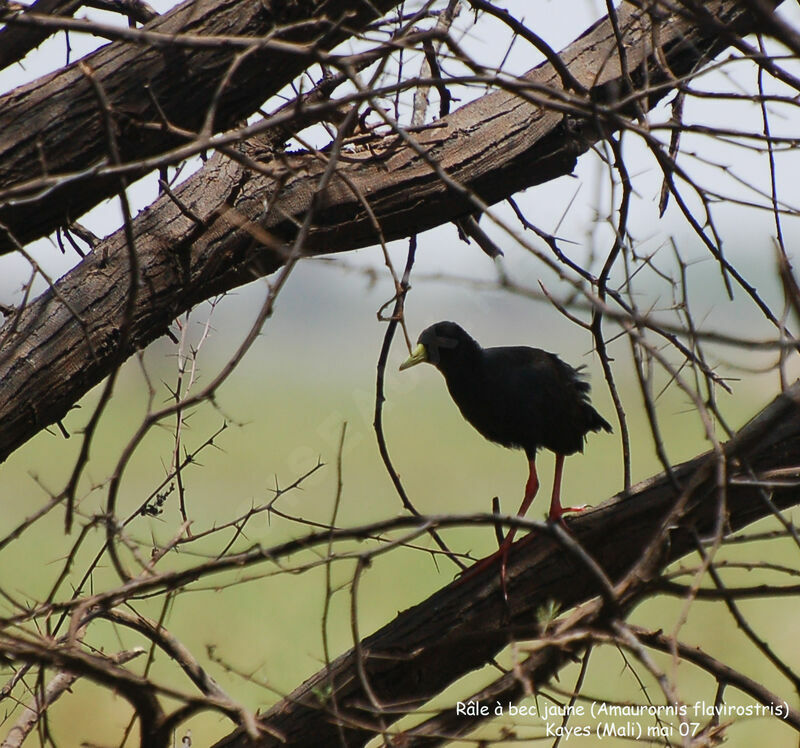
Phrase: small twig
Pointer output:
(397, 316)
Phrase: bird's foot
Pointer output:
(557, 513)
(576, 509)
(501, 556)
(482, 564)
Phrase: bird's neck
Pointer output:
(466, 375)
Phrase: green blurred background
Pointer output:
(313, 369)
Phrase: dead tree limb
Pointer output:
(463, 626)
(54, 125)
(16, 43)
(232, 221)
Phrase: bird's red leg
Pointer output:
(531, 488)
(556, 510)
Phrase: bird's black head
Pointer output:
(444, 345)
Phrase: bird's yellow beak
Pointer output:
(417, 357)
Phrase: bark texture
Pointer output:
(56, 125)
(15, 43)
(464, 625)
(231, 223)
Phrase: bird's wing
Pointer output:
(543, 397)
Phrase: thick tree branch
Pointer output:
(54, 125)
(15, 43)
(234, 219)
(464, 625)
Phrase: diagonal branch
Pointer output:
(463, 626)
(234, 220)
(53, 125)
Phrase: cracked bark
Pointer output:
(54, 125)
(66, 341)
(464, 625)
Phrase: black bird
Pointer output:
(519, 397)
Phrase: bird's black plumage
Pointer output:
(516, 396)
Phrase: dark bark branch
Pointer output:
(136, 690)
(54, 125)
(463, 626)
(15, 43)
(59, 684)
(215, 233)
(135, 10)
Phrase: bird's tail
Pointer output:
(597, 422)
